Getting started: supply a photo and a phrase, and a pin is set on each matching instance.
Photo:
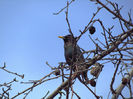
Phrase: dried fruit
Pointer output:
(95, 71)
(92, 29)
(124, 81)
(57, 72)
(92, 82)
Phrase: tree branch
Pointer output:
(121, 86)
(91, 62)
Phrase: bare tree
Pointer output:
(117, 49)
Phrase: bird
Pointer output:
(73, 55)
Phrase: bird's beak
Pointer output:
(61, 37)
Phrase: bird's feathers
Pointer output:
(73, 54)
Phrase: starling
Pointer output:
(73, 55)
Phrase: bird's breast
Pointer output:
(69, 51)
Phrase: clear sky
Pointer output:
(29, 37)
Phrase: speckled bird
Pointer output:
(73, 54)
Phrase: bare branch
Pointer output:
(63, 8)
(121, 86)
(98, 1)
(3, 68)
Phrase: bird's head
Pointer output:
(68, 39)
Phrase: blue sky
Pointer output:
(29, 37)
